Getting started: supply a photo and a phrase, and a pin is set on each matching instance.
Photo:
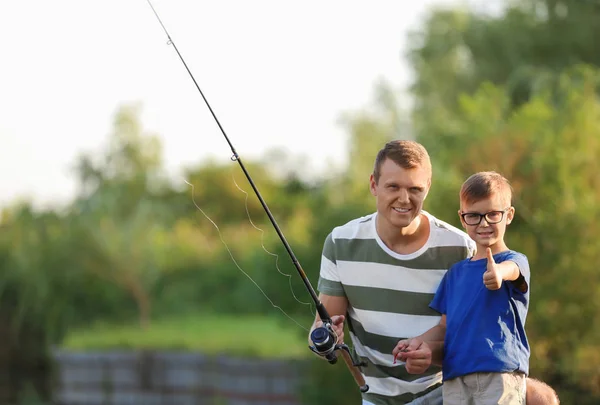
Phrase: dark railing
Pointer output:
(168, 378)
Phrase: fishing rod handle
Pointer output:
(325, 345)
(358, 377)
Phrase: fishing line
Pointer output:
(235, 261)
(262, 234)
(236, 158)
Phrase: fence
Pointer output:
(159, 378)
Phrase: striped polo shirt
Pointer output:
(389, 296)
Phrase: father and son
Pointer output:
(436, 313)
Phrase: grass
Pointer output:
(248, 336)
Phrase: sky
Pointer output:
(278, 74)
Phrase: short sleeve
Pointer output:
(522, 283)
(439, 299)
(329, 278)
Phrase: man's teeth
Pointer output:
(402, 209)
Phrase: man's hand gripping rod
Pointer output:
(323, 337)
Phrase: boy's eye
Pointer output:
(494, 216)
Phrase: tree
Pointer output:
(117, 215)
(127, 171)
(35, 286)
(457, 50)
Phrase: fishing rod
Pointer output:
(323, 337)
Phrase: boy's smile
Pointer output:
(487, 234)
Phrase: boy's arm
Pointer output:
(419, 352)
(507, 270)
(434, 338)
(423, 350)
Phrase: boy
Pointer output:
(483, 301)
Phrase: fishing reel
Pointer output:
(325, 344)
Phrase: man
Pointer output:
(382, 270)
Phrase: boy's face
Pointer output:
(485, 234)
(400, 192)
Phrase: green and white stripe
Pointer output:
(389, 296)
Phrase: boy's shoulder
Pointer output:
(512, 254)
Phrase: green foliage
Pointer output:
(209, 333)
(456, 51)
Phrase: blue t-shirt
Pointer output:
(485, 330)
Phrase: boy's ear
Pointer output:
(461, 220)
(510, 214)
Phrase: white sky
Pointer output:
(277, 74)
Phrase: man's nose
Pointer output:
(403, 196)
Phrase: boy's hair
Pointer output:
(406, 154)
(484, 184)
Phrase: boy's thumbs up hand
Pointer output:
(492, 278)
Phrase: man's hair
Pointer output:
(406, 154)
(483, 185)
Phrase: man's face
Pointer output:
(497, 209)
(400, 192)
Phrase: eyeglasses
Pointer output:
(492, 217)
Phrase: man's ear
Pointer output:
(373, 185)
(510, 214)
(428, 188)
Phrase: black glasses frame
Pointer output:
(486, 216)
